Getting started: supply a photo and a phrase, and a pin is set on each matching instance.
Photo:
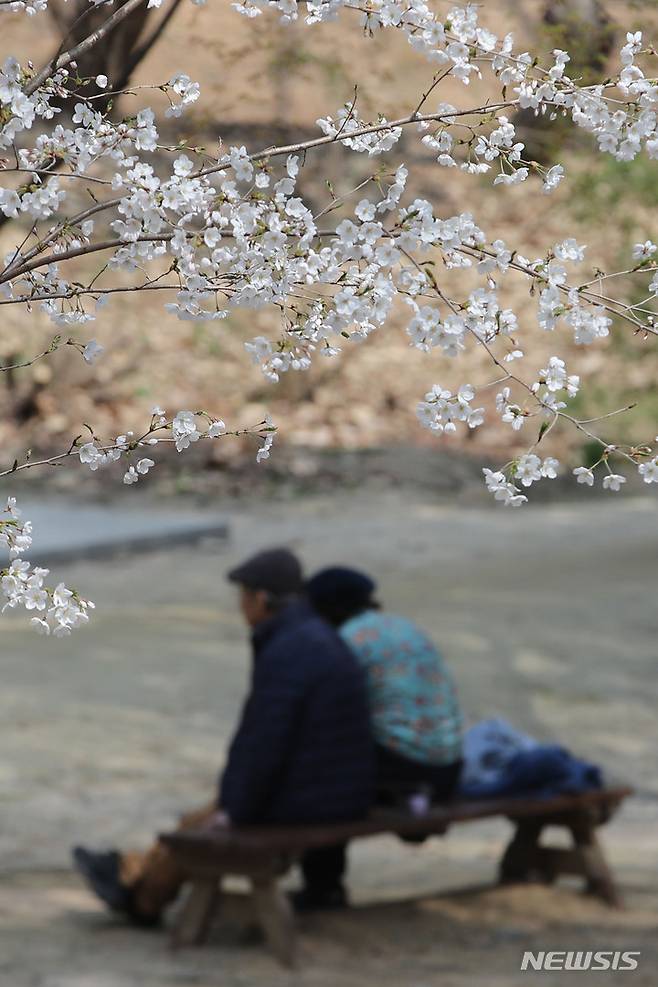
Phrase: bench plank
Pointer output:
(435, 822)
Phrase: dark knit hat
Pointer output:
(340, 586)
(276, 570)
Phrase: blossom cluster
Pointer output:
(457, 40)
(57, 611)
(647, 468)
(60, 610)
(184, 429)
(503, 489)
(527, 469)
(441, 409)
(347, 122)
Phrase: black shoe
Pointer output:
(143, 921)
(102, 873)
(316, 900)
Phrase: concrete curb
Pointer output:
(131, 546)
(71, 533)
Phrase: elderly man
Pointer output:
(301, 753)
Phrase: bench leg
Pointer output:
(276, 918)
(193, 923)
(600, 881)
(521, 858)
(526, 860)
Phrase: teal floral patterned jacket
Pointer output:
(413, 701)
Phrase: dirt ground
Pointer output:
(548, 617)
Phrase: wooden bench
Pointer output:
(263, 854)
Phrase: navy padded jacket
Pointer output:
(303, 751)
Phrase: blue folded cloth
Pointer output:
(541, 771)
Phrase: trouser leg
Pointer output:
(154, 876)
(324, 868)
(399, 776)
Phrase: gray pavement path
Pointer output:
(548, 617)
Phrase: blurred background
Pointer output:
(547, 616)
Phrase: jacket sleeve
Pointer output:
(263, 742)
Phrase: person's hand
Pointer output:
(218, 820)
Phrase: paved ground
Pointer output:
(549, 618)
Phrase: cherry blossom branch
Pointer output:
(54, 346)
(182, 430)
(259, 156)
(152, 39)
(530, 464)
(609, 304)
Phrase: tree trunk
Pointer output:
(113, 56)
(584, 29)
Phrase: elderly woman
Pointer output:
(414, 714)
(415, 717)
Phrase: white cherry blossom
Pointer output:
(649, 470)
(613, 481)
(92, 351)
(184, 427)
(584, 475)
